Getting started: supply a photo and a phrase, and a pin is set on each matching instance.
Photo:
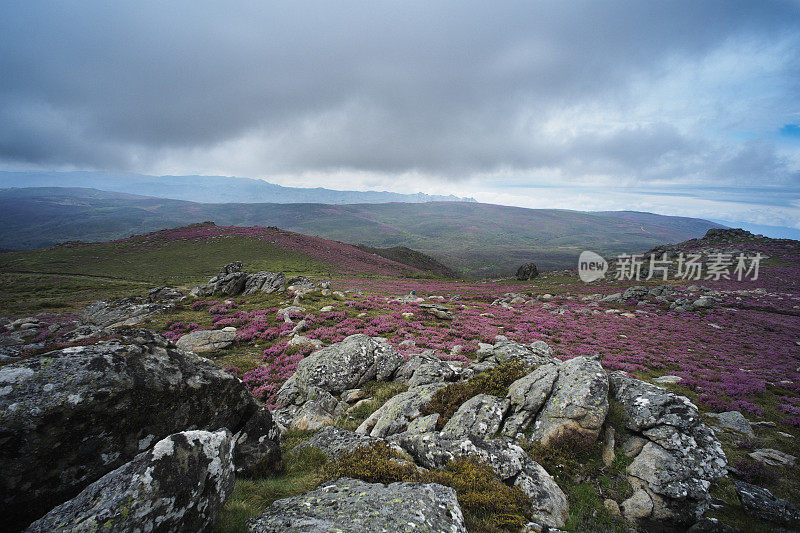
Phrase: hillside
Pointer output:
(479, 240)
(71, 275)
(211, 189)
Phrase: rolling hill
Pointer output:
(473, 239)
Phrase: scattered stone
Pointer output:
(733, 420)
(760, 503)
(302, 340)
(326, 309)
(612, 507)
(637, 506)
(773, 457)
(711, 525)
(356, 506)
(668, 380)
(180, 484)
(704, 302)
(608, 455)
(207, 341)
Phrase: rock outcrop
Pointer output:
(75, 414)
(510, 462)
(180, 484)
(358, 507)
(676, 456)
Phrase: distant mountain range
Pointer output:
(211, 189)
(474, 239)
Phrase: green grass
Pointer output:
(302, 473)
(30, 294)
(175, 263)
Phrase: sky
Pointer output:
(688, 108)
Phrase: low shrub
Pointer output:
(495, 381)
(488, 504)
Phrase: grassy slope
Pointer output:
(67, 277)
(475, 239)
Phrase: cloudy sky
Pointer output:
(688, 108)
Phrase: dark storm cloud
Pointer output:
(451, 89)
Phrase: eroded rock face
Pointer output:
(178, 485)
(336, 368)
(577, 404)
(480, 416)
(318, 408)
(267, 282)
(509, 461)
(359, 507)
(396, 414)
(680, 456)
(73, 415)
(527, 395)
(207, 341)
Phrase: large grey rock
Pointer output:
(679, 456)
(178, 485)
(336, 368)
(527, 396)
(527, 271)
(206, 341)
(510, 462)
(733, 420)
(335, 441)
(72, 415)
(356, 506)
(267, 282)
(425, 368)
(399, 411)
(577, 405)
(480, 417)
(760, 502)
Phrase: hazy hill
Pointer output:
(472, 238)
(209, 189)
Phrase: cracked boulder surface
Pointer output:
(72, 415)
(676, 456)
(179, 485)
(356, 506)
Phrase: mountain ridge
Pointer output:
(208, 189)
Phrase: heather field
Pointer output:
(742, 353)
